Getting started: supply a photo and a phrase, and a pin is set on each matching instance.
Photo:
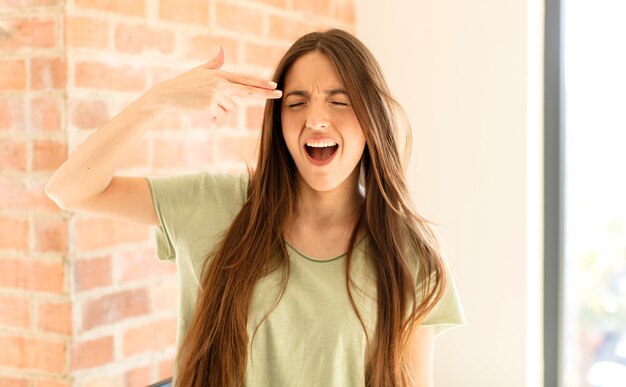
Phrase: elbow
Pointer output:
(53, 193)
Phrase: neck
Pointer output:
(322, 209)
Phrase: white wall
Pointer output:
(468, 74)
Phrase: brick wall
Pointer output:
(83, 300)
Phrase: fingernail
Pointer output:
(277, 93)
(272, 84)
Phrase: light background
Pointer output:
(469, 75)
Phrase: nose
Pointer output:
(317, 117)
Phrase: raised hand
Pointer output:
(210, 89)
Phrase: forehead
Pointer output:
(312, 70)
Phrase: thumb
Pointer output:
(217, 61)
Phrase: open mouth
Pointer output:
(320, 151)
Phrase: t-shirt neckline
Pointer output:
(323, 260)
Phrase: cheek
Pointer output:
(290, 128)
(290, 136)
(359, 146)
(357, 152)
(353, 133)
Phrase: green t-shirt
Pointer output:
(313, 337)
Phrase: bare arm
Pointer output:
(420, 356)
(86, 181)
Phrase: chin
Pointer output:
(324, 182)
(321, 184)
(328, 179)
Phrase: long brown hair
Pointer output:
(215, 349)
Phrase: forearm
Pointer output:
(89, 170)
(91, 167)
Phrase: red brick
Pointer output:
(28, 34)
(289, 28)
(108, 77)
(56, 317)
(254, 117)
(172, 154)
(12, 75)
(318, 7)
(31, 275)
(343, 10)
(42, 33)
(140, 265)
(166, 368)
(204, 48)
(104, 381)
(93, 273)
(51, 383)
(18, 194)
(12, 382)
(194, 11)
(14, 312)
(44, 114)
(12, 194)
(48, 73)
(236, 169)
(115, 307)
(139, 377)
(13, 154)
(137, 38)
(240, 19)
(36, 198)
(164, 295)
(92, 353)
(199, 152)
(89, 114)
(48, 155)
(260, 54)
(149, 337)
(134, 8)
(160, 74)
(236, 148)
(81, 31)
(95, 233)
(30, 4)
(274, 3)
(14, 233)
(32, 353)
(50, 234)
(11, 113)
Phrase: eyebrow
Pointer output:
(303, 93)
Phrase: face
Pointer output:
(320, 128)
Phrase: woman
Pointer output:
(314, 270)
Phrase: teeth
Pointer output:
(321, 144)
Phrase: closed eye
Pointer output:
(295, 104)
(337, 103)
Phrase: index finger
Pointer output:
(240, 90)
(249, 80)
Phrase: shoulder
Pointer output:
(226, 185)
(190, 188)
(193, 209)
(201, 180)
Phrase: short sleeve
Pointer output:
(184, 202)
(448, 312)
